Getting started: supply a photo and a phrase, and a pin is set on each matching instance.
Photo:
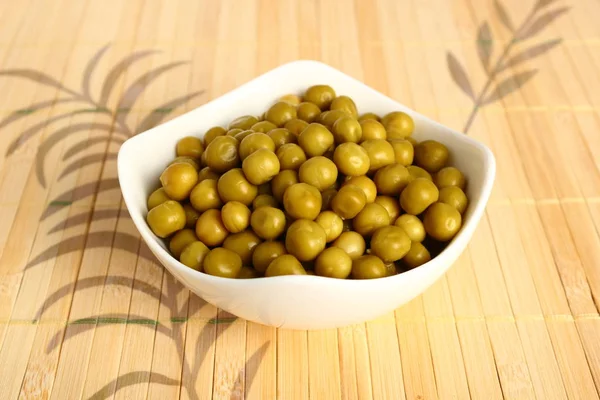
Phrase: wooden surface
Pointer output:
(86, 312)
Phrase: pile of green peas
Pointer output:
(310, 187)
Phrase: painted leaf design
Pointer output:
(87, 324)
(78, 193)
(509, 85)
(542, 3)
(207, 332)
(17, 115)
(159, 113)
(133, 92)
(248, 373)
(99, 240)
(89, 70)
(32, 131)
(38, 77)
(530, 53)
(86, 161)
(97, 281)
(542, 22)
(130, 379)
(485, 45)
(503, 16)
(118, 70)
(84, 145)
(459, 75)
(54, 138)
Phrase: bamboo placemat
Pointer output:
(86, 311)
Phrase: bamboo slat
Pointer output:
(323, 364)
(385, 358)
(87, 312)
(415, 351)
(115, 301)
(132, 378)
(261, 362)
(292, 365)
(355, 376)
(472, 331)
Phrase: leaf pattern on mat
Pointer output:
(174, 327)
(496, 86)
(530, 53)
(86, 161)
(107, 128)
(540, 23)
(119, 70)
(509, 85)
(20, 114)
(459, 75)
(89, 71)
(38, 77)
(82, 146)
(503, 16)
(135, 90)
(130, 379)
(33, 130)
(485, 45)
(58, 136)
(158, 114)
(78, 327)
(96, 282)
(543, 3)
(114, 112)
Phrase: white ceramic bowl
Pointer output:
(299, 302)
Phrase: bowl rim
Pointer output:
(456, 245)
